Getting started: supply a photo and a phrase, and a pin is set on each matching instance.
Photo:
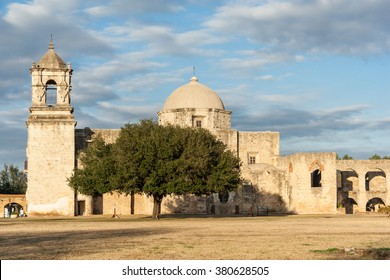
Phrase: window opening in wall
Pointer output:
(223, 196)
(51, 93)
(197, 121)
(252, 159)
(316, 179)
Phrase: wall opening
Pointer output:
(375, 181)
(13, 210)
(223, 196)
(350, 204)
(316, 179)
(51, 93)
(197, 122)
(374, 204)
(81, 207)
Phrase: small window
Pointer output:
(197, 121)
(316, 179)
(252, 159)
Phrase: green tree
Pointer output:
(376, 156)
(158, 161)
(12, 180)
(97, 169)
(347, 157)
(170, 160)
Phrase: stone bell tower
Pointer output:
(51, 138)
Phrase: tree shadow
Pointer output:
(247, 200)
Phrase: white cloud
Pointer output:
(121, 7)
(334, 26)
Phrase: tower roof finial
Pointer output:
(194, 78)
(51, 45)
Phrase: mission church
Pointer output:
(298, 183)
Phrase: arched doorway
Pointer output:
(374, 204)
(350, 206)
(13, 210)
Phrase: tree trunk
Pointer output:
(156, 206)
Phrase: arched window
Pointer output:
(316, 168)
(51, 93)
(316, 179)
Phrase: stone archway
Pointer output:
(374, 203)
(375, 181)
(15, 200)
(13, 210)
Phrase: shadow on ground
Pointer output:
(68, 244)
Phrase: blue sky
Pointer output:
(317, 71)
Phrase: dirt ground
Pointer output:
(295, 237)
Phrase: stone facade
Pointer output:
(299, 183)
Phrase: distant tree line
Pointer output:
(12, 180)
(373, 157)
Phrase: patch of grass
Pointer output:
(306, 244)
(329, 250)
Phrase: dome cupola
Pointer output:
(193, 95)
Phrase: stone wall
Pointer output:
(211, 118)
(304, 197)
(51, 160)
(361, 181)
(264, 146)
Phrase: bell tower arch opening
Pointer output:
(51, 93)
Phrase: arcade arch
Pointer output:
(374, 204)
(375, 181)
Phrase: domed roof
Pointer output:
(193, 95)
(51, 59)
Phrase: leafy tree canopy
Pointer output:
(12, 180)
(376, 156)
(97, 169)
(159, 161)
(345, 157)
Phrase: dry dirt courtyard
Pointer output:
(293, 237)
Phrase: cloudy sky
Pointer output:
(317, 71)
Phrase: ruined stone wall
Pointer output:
(303, 197)
(370, 181)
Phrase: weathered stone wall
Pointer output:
(51, 159)
(211, 118)
(362, 181)
(120, 202)
(263, 145)
(265, 186)
(303, 197)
